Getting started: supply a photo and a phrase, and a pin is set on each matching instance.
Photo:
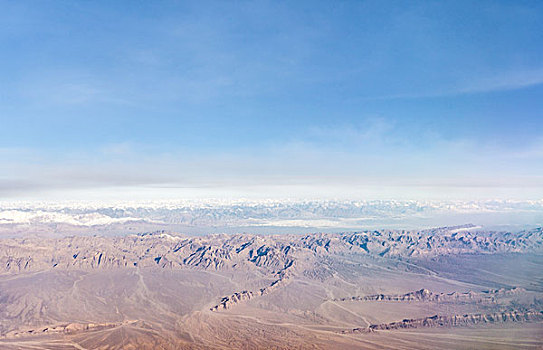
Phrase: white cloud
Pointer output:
(118, 149)
(307, 168)
(504, 81)
(498, 81)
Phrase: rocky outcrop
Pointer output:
(228, 302)
(68, 328)
(424, 294)
(268, 253)
(454, 321)
(216, 252)
(443, 242)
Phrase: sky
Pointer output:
(269, 99)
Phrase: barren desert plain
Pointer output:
(452, 287)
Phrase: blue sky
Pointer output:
(295, 99)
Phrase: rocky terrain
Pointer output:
(270, 253)
(489, 296)
(455, 320)
(54, 219)
(324, 290)
(70, 328)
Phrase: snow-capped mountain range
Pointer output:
(246, 215)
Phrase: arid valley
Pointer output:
(453, 287)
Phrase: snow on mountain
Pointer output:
(266, 213)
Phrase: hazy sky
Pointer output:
(158, 99)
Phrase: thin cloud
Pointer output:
(504, 81)
(118, 149)
(298, 167)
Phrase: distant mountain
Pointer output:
(273, 253)
(321, 290)
(238, 216)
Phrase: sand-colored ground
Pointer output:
(278, 293)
